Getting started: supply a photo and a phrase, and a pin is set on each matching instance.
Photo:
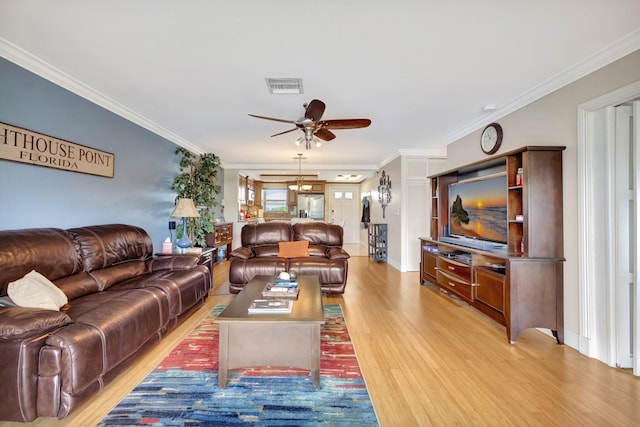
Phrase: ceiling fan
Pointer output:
(313, 127)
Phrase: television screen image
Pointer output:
(478, 209)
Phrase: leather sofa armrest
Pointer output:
(337, 253)
(179, 262)
(17, 323)
(242, 253)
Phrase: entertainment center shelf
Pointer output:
(519, 282)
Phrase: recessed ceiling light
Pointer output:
(284, 86)
(347, 177)
(489, 107)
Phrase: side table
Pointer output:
(205, 257)
(222, 237)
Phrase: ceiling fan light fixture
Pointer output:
(311, 124)
(284, 86)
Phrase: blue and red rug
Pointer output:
(183, 390)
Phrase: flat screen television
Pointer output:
(478, 208)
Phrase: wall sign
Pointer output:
(24, 146)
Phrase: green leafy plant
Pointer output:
(197, 181)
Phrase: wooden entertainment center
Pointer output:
(518, 284)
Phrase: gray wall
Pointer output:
(35, 196)
(552, 120)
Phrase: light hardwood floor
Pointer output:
(431, 361)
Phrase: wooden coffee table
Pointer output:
(291, 340)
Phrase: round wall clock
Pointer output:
(491, 138)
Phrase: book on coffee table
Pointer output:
(268, 306)
(284, 283)
(276, 291)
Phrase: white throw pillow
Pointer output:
(36, 291)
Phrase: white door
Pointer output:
(626, 219)
(342, 209)
(625, 241)
(635, 221)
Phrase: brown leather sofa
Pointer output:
(260, 248)
(122, 301)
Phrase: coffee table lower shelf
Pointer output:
(269, 344)
(287, 340)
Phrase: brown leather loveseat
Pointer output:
(259, 254)
(121, 301)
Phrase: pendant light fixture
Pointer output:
(299, 185)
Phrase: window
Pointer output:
(346, 195)
(275, 200)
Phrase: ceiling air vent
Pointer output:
(286, 86)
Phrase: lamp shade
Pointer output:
(185, 208)
(300, 187)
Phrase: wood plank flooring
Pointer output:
(431, 361)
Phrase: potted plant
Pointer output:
(197, 181)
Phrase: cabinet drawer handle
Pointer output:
(475, 284)
(452, 284)
(452, 268)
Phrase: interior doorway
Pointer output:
(608, 188)
(342, 209)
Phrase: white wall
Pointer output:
(416, 206)
(392, 213)
(370, 187)
(231, 206)
(407, 216)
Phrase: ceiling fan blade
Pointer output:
(286, 131)
(314, 110)
(324, 134)
(274, 119)
(345, 123)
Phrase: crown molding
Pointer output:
(288, 175)
(288, 166)
(415, 152)
(616, 50)
(24, 59)
(423, 152)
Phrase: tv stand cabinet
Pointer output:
(521, 284)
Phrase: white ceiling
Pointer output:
(421, 70)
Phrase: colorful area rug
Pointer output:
(183, 390)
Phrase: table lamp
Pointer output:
(185, 209)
